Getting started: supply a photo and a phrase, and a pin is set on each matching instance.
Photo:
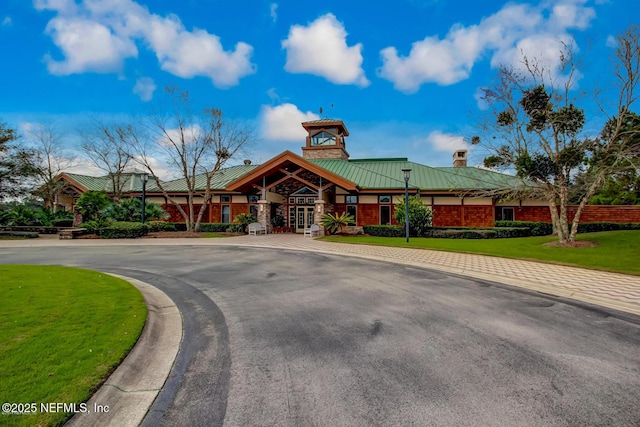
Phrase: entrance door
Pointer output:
(304, 218)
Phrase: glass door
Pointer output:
(304, 218)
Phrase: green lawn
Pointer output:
(62, 332)
(615, 251)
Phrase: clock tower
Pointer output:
(325, 140)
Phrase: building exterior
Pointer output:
(296, 191)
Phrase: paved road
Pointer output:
(280, 337)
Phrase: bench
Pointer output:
(256, 228)
(312, 231)
(71, 233)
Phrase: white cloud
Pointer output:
(611, 41)
(273, 10)
(6, 21)
(97, 36)
(144, 88)
(446, 142)
(321, 49)
(283, 123)
(505, 36)
(87, 46)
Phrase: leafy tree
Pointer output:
(535, 117)
(420, 215)
(197, 144)
(91, 205)
(16, 166)
(336, 222)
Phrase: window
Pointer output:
(353, 211)
(225, 199)
(253, 210)
(385, 215)
(508, 214)
(226, 214)
(323, 138)
(253, 198)
(384, 199)
(300, 200)
(292, 200)
(351, 199)
(292, 217)
(310, 200)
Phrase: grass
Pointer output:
(62, 332)
(617, 251)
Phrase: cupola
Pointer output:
(325, 139)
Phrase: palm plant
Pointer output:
(334, 222)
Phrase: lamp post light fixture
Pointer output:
(145, 178)
(407, 175)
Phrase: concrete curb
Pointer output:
(131, 389)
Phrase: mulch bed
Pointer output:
(580, 244)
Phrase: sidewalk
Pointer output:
(611, 290)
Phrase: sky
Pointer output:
(404, 76)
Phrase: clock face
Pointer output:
(323, 138)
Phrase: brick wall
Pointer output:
(444, 216)
(591, 213)
(368, 215)
(477, 216)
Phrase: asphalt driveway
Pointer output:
(280, 337)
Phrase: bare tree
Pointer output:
(108, 147)
(540, 130)
(196, 146)
(50, 158)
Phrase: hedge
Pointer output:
(124, 230)
(537, 228)
(19, 234)
(384, 230)
(545, 228)
(161, 226)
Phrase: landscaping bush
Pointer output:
(537, 228)
(235, 228)
(420, 216)
(384, 230)
(462, 233)
(19, 234)
(214, 227)
(62, 222)
(124, 230)
(593, 227)
(161, 226)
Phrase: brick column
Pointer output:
(264, 213)
(318, 212)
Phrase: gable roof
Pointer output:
(287, 156)
(219, 183)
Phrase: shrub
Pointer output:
(124, 230)
(592, 227)
(420, 216)
(384, 230)
(243, 220)
(96, 225)
(453, 233)
(161, 226)
(19, 234)
(62, 222)
(92, 203)
(277, 221)
(213, 227)
(335, 222)
(236, 228)
(537, 228)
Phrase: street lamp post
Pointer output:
(407, 174)
(145, 178)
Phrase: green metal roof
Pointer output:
(220, 180)
(132, 182)
(386, 174)
(367, 174)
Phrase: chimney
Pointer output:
(460, 159)
(247, 162)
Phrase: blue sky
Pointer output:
(404, 78)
